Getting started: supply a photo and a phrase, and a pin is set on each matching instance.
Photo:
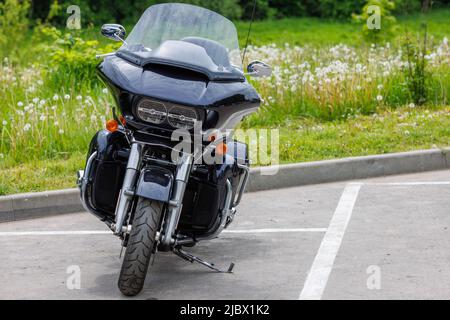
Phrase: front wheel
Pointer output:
(140, 247)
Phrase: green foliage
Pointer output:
(417, 75)
(407, 6)
(13, 25)
(127, 12)
(228, 8)
(72, 60)
(386, 19)
(339, 9)
(94, 12)
(262, 11)
(288, 8)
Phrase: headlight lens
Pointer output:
(155, 112)
(151, 111)
(182, 118)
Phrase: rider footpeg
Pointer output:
(191, 258)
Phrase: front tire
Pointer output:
(140, 248)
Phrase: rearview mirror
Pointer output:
(259, 69)
(114, 31)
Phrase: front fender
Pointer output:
(155, 183)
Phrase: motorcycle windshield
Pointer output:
(186, 35)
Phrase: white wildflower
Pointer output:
(5, 123)
(379, 98)
(27, 127)
(20, 104)
(67, 97)
(61, 131)
(55, 97)
(105, 90)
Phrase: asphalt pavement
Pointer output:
(384, 238)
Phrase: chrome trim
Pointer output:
(129, 182)
(83, 183)
(242, 184)
(176, 202)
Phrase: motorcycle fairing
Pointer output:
(176, 85)
(188, 54)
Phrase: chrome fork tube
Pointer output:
(176, 201)
(129, 182)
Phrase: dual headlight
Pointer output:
(158, 113)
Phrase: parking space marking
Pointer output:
(52, 233)
(277, 230)
(412, 183)
(319, 273)
(94, 232)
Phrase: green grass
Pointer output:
(390, 131)
(52, 174)
(314, 31)
(315, 122)
(318, 32)
(301, 140)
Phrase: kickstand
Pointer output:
(191, 258)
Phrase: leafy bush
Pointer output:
(288, 8)
(387, 20)
(407, 6)
(262, 11)
(128, 12)
(228, 8)
(339, 9)
(72, 60)
(13, 24)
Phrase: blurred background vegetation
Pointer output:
(338, 89)
(126, 12)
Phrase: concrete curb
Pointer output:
(36, 205)
(292, 175)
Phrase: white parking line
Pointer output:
(95, 232)
(411, 183)
(52, 233)
(277, 230)
(323, 262)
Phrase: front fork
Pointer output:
(128, 188)
(176, 201)
(183, 172)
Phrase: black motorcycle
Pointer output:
(180, 89)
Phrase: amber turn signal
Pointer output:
(112, 125)
(221, 149)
